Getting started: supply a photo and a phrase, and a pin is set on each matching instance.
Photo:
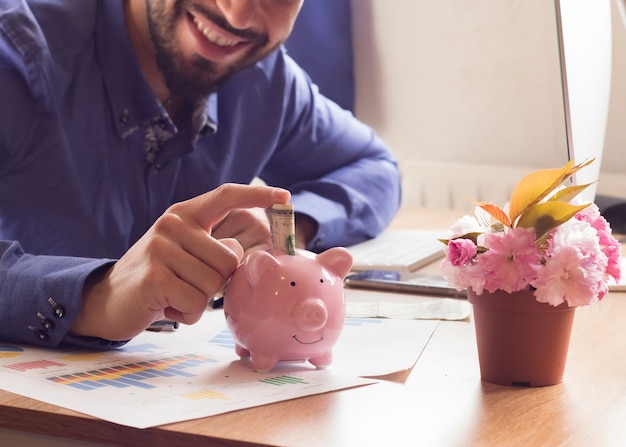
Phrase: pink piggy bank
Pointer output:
(283, 308)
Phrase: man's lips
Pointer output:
(213, 43)
(212, 35)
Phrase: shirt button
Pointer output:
(124, 117)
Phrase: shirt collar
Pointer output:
(130, 97)
(207, 121)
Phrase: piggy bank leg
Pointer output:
(263, 364)
(241, 351)
(322, 361)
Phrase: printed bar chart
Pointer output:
(283, 380)
(164, 377)
(132, 374)
(37, 364)
(205, 394)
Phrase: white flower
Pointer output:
(465, 225)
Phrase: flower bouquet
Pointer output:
(526, 268)
(542, 241)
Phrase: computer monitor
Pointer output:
(621, 6)
(584, 35)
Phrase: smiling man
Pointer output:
(188, 49)
(129, 132)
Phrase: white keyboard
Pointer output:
(401, 250)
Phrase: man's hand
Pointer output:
(250, 227)
(175, 268)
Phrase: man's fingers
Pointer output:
(211, 207)
(188, 311)
(206, 264)
(235, 246)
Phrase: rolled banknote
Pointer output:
(283, 227)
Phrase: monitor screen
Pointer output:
(584, 35)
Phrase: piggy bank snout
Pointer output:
(310, 314)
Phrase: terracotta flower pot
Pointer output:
(521, 341)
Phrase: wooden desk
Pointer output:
(442, 401)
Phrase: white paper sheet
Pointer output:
(167, 377)
(376, 303)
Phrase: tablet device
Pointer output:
(408, 282)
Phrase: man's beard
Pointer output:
(195, 79)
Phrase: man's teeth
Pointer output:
(213, 37)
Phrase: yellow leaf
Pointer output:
(534, 187)
(537, 185)
(567, 194)
(548, 215)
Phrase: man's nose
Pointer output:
(239, 13)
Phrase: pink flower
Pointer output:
(463, 277)
(511, 261)
(460, 251)
(609, 245)
(574, 268)
(567, 277)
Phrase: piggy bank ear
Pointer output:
(257, 263)
(338, 260)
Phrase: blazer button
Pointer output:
(56, 308)
(46, 324)
(41, 335)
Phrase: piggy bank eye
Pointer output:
(293, 283)
(322, 280)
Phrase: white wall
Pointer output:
(474, 82)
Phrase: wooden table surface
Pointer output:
(440, 402)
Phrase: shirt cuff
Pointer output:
(92, 342)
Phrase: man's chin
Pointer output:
(201, 77)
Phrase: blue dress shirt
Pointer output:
(89, 159)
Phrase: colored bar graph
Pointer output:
(205, 394)
(10, 351)
(283, 380)
(37, 364)
(357, 322)
(144, 347)
(131, 374)
(224, 339)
